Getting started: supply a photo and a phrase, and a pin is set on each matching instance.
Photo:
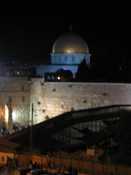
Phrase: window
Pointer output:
(65, 59)
(73, 59)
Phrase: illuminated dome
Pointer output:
(70, 43)
(68, 52)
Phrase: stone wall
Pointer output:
(18, 90)
(38, 100)
(50, 99)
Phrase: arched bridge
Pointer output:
(74, 130)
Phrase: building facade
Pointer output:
(68, 51)
(50, 99)
(29, 101)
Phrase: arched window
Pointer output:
(73, 59)
(65, 59)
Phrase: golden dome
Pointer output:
(70, 43)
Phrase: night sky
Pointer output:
(30, 38)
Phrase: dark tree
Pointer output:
(83, 72)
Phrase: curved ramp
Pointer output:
(71, 129)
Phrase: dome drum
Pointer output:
(71, 59)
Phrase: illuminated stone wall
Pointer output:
(18, 90)
(50, 99)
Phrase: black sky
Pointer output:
(30, 38)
